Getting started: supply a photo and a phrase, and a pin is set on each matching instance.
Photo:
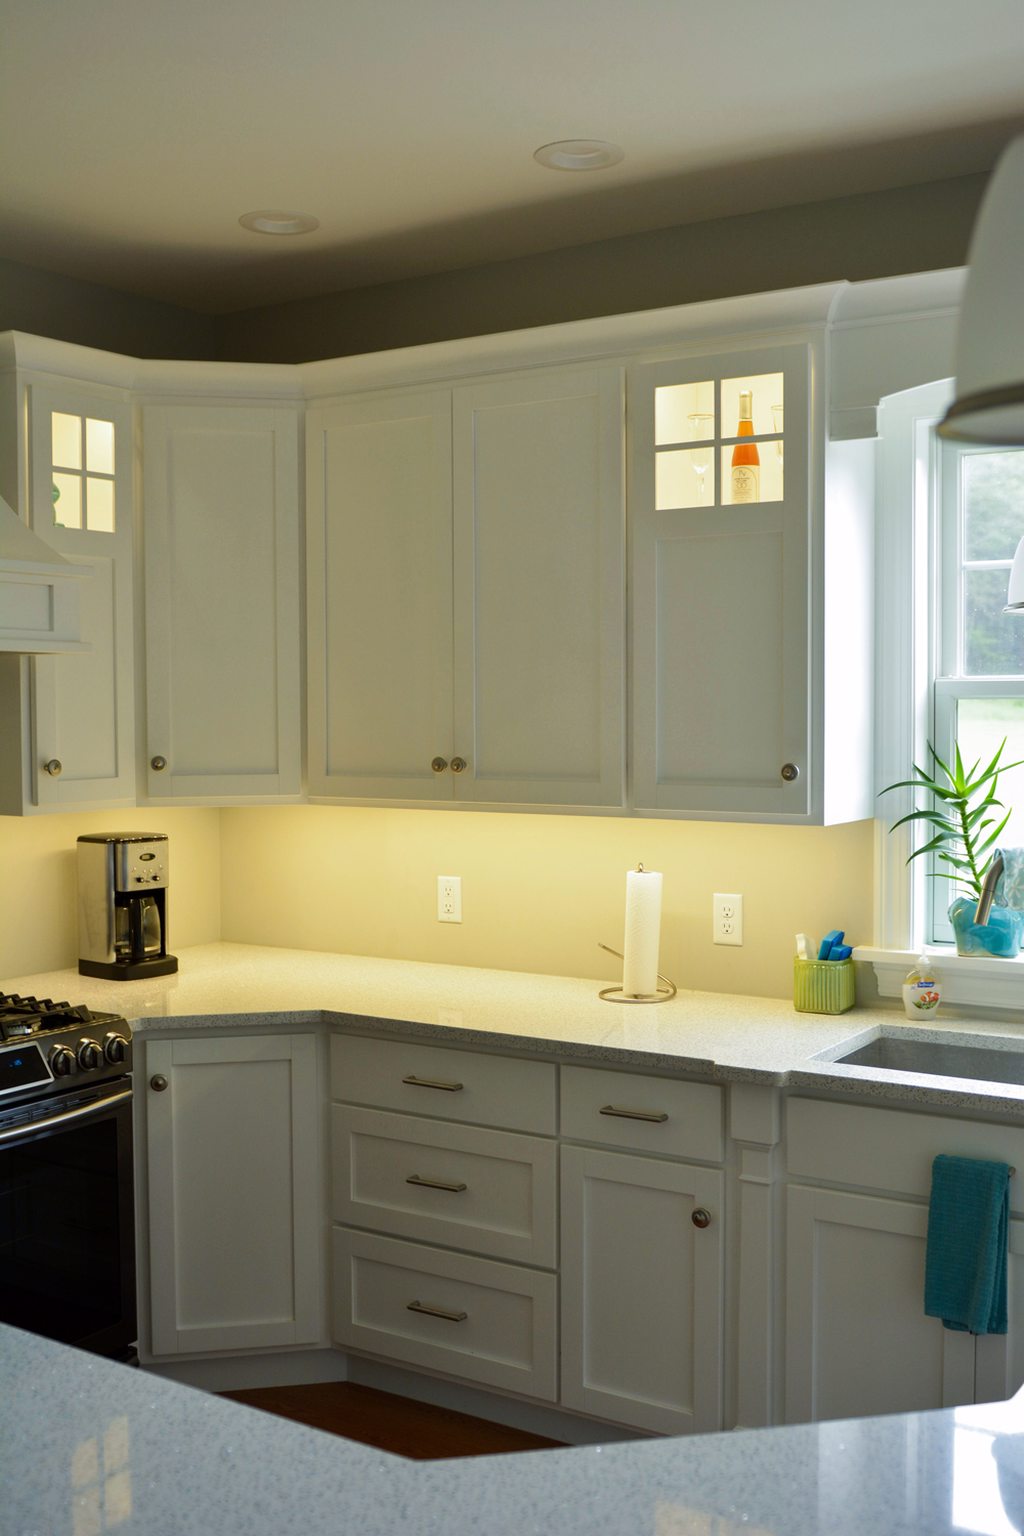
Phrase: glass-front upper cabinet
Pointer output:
(720, 524)
(80, 496)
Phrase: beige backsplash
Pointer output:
(538, 892)
(38, 923)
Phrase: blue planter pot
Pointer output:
(1001, 936)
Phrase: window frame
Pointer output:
(915, 702)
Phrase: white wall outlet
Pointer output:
(727, 918)
(449, 898)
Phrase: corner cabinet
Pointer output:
(745, 704)
(466, 592)
(232, 1163)
(69, 719)
(221, 559)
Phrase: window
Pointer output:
(950, 662)
(979, 674)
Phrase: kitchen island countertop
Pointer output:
(716, 1036)
(87, 1445)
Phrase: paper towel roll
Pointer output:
(643, 933)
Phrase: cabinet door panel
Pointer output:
(539, 637)
(221, 557)
(720, 600)
(232, 1193)
(82, 713)
(857, 1340)
(379, 593)
(1000, 1357)
(641, 1291)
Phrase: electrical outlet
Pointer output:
(449, 898)
(726, 918)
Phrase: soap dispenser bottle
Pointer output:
(921, 991)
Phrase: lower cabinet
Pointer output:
(857, 1339)
(234, 1223)
(642, 1299)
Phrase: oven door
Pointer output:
(67, 1223)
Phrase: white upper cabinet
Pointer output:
(539, 600)
(69, 719)
(221, 556)
(379, 596)
(465, 583)
(750, 591)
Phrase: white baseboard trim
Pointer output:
(517, 1413)
(290, 1368)
(237, 1373)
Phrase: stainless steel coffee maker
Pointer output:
(122, 905)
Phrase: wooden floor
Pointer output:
(390, 1423)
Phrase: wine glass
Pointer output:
(778, 416)
(702, 427)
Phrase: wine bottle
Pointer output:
(746, 461)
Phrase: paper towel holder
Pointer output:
(616, 994)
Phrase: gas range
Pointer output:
(46, 1047)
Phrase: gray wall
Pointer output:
(881, 234)
(46, 304)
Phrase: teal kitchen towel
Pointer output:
(965, 1263)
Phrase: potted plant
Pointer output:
(963, 810)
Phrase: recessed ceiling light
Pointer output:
(267, 221)
(579, 155)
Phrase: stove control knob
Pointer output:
(90, 1055)
(62, 1060)
(115, 1048)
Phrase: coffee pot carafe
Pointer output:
(122, 905)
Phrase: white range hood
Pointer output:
(39, 592)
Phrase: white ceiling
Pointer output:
(134, 133)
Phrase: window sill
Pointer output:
(971, 981)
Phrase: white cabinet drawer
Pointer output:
(447, 1084)
(492, 1192)
(486, 1322)
(646, 1114)
(891, 1149)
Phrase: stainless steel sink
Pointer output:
(940, 1058)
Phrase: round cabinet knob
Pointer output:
(790, 772)
(701, 1217)
(158, 1083)
(115, 1048)
(158, 764)
(90, 1054)
(458, 764)
(439, 764)
(62, 1061)
(54, 767)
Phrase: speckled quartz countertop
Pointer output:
(713, 1035)
(88, 1446)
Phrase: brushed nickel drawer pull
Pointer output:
(455, 1189)
(634, 1114)
(431, 1082)
(449, 1317)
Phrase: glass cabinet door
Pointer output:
(719, 513)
